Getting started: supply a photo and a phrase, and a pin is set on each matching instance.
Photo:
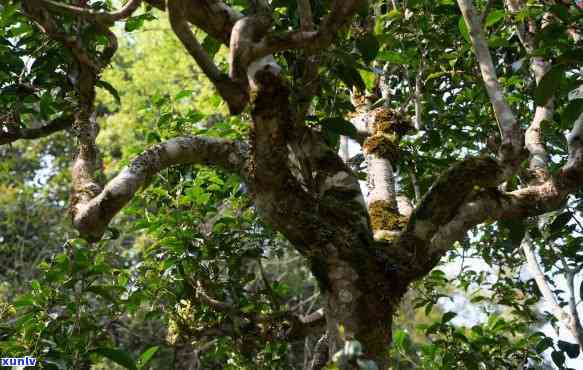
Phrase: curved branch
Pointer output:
(466, 196)
(8, 135)
(92, 217)
(234, 94)
(448, 193)
(530, 201)
(94, 15)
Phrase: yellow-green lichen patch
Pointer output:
(383, 146)
(384, 216)
(390, 122)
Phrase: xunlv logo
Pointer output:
(17, 361)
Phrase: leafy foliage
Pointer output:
(135, 299)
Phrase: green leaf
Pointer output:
(548, 85)
(447, 317)
(571, 112)
(331, 138)
(23, 301)
(463, 27)
(183, 95)
(107, 86)
(544, 344)
(146, 356)
(560, 222)
(133, 23)
(211, 46)
(436, 75)
(558, 358)
(340, 126)
(571, 349)
(392, 57)
(350, 76)
(561, 12)
(368, 77)
(118, 356)
(428, 308)
(399, 337)
(368, 47)
(35, 285)
(494, 17)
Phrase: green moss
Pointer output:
(383, 216)
(383, 146)
(388, 121)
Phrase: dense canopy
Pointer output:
(291, 183)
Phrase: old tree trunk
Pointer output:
(363, 253)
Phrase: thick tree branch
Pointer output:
(533, 200)
(381, 151)
(13, 132)
(92, 217)
(94, 15)
(512, 138)
(235, 94)
(212, 16)
(539, 159)
(442, 201)
(467, 195)
(246, 33)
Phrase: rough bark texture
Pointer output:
(298, 183)
(92, 216)
(11, 130)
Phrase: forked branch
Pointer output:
(234, 94)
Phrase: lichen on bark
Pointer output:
(383, 146)
(389, 121)
(384, 216)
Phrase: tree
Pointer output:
(288, 61)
